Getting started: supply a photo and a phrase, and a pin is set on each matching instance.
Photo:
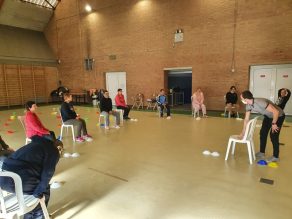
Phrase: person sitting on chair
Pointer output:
(106, 109)
(198, 99)
(34, 125)
(5, 150)
(70, 117)
(162, 102)
(274, 117)
(231, 100)
(284, 95)
(121, 104)
(35, 163)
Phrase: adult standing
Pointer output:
(284, 95)
(274, 117)
(231, 101)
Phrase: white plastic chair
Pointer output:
(100, 115)
(18, 204)
(247, 138)
(22, 120)
(194, 108)
(66, 126)
(227, 108)
(121, 116)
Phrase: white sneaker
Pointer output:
(108, 128)
(168, 117)
(117, 127)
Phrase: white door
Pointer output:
(114, 81)
(122, 83)
(262, 83)
(284, 80)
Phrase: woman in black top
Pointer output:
(284, 95)
(231, 100)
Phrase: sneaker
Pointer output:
(86, 136)
(108, 128)
(272, 159)
(260, 155)
(161, 115)
(79, 139)
(168, 117)
(128, 117)
(125, 118)
(117, 127)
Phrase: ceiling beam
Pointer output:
(1, 3)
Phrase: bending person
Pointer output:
(5, 150)
(35, 163)
(70, 117)
(34, 125)
(106, 109)
(121, 104)
(231, 100)
(198, 99)
(162, 102)
(274, 117)
(284, 95)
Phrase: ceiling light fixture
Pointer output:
(88, 8)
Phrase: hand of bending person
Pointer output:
(10, 149)
(43, 199)
(110, 112)
(77, 118)
(275, 128)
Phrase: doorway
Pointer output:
(179, 85)
(115, 81)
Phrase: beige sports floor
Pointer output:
(155, 169)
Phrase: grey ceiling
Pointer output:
(24, 15)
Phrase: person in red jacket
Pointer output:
(121, 104)
(34, 125)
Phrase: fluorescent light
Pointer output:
(88, 8)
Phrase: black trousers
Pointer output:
(266, 126)
(126, 110)
(162, 107)
(28, 187)
(50, 136)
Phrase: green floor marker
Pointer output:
(14, 113)
(78, 108)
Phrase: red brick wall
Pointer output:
(141, 35)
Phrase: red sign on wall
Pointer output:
(285, 76)
(262, 76)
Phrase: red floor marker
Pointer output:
(58, 117)
(6, 124)
(9, 132)
(40, 113)
(8, 120)
(79, 116)
(59, 125)
(97, 112)
(75, 109)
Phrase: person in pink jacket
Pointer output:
(121, 104)
(34, 125)
(198, 99)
